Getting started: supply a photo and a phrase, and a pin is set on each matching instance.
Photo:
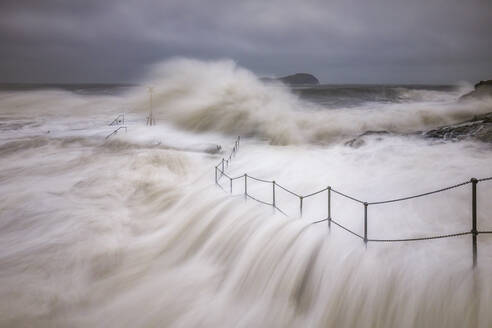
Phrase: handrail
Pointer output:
(119, 120)
(423, 194)
(116, 131)
(474, 231)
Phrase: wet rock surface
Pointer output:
(360, 140)
(483, 89)
(479, 128)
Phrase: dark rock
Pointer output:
(299, 78)
(479, 128)
(483, 83)
(482, 89)
(296, 79)
(360, 139)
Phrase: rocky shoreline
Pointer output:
(478, 128)
(482, 90)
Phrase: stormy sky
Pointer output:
(373, 41)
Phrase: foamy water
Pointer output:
(132, 231)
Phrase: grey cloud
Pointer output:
(434, 41)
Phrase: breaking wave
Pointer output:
(131, 231)
(222, 97)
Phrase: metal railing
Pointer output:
(119, 120)
(116, 131)
(474, 232)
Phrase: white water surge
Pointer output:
(132, 231)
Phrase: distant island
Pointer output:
(295, 79)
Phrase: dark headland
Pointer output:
(482, 89)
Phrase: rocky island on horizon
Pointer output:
(295, 79)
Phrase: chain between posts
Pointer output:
(474, 181)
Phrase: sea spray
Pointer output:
(219, 96)
(131, 231)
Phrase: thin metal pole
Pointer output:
(245, 186)
(329, 207)
(273, 193)
(365, 223)
(231, 184)
(474, 230)
(216, 175)
(223, 166)
(300, 205)
(150, 119)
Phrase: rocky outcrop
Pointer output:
(483, 89)
(478, 128)
(295, 79)
(360, 139)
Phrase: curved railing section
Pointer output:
(474, 232)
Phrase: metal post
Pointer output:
(245, 186)
(329, 207)
(216, 175)
(223, 166)
(150, 118)
(300, 205)
(365, 223)
(273, 193)
(231, 184)
(474, 230)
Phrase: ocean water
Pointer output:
(131, 230)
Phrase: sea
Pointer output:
(107, 221)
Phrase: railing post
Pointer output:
(231, 184)
(300, 205)
(365, 223)
(216, 175)
(474, 230)
(223, 166)
(329, 207)
(245, 186)
(273, 193)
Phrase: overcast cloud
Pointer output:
(418, 41)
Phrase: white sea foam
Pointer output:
(131, 231)
(222, 97)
